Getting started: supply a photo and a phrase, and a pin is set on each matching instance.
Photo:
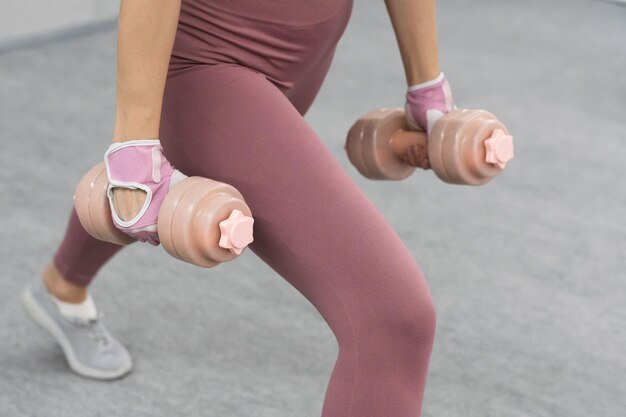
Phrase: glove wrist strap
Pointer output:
(426, 84)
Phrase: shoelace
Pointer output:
(95, 329)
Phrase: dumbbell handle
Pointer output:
(402, 139)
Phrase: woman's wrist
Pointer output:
(138, 123)
(414, 25)
(417, 75)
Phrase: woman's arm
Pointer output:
(146, 31)
(416, 32)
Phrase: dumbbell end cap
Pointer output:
(236, 232)
(499, 148)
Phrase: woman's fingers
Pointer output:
(417, 156)
(409, 156)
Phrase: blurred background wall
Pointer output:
(26, 21)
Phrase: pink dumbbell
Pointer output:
(201, 221)
(465, 146)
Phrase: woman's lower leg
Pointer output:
(61, 288)
(76, 262)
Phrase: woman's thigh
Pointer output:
(313, 224)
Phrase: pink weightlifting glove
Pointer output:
(140, 164)
(425, 104)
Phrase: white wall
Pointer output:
(21, 19)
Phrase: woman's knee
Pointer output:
(400, 318)
(421, 322)
(412, 320)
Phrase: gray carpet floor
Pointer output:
(527, 272)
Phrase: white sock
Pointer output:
(85, 310)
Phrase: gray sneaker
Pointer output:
(90, 350)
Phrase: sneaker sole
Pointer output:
(40, 317)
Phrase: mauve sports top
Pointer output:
(278, 38)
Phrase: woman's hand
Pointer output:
(425, 104)
(417, 156)
(141, 177)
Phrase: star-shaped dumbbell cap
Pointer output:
(236, 232)
(499, 148)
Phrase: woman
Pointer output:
(229, 106)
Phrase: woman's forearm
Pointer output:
(416, 32)
(146, 31)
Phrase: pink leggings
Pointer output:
(313, 226)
